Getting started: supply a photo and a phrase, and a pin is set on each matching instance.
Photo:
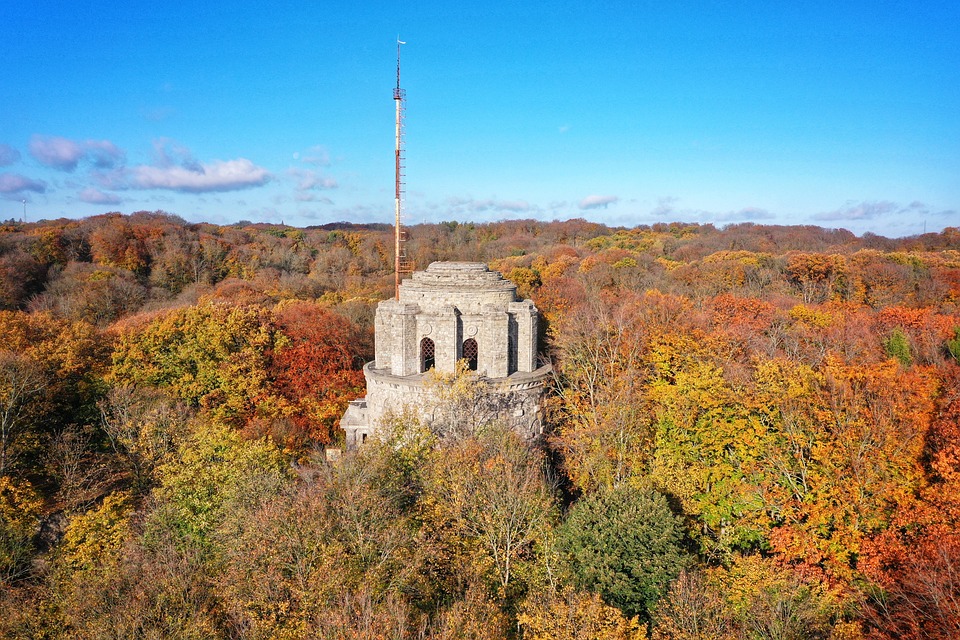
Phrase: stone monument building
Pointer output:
(452, 311)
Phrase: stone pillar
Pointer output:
(405, 359)
(383, 334)
(525, 315)
(493, 343)
(446, 338)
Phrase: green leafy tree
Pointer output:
(953, 345)
(625, 544)
(897, 346)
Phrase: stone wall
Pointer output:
(449, 303)
(514, 402)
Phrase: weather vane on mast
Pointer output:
(401, 263)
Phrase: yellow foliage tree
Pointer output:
(574, 615)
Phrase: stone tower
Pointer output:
(452, 311)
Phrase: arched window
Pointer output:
(427, 355)
(470, 353)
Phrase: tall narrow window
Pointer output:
(470, 353)
(427, 355)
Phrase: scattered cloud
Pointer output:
(516, 206)
(597, 202)
(312, 180)
(113, 179)
(65, 154)
(354, 213)
(456, 202)
(219, 175)
(59, 153)
(15, 183)
(458, 206)
(564, 128)
(667, 210)
(317, 154)
(306, 196)
(174, 168)
(853, 211)
(890, 218)
(103, 153)
(665, 207)
(8, 155)
(95, 196)
(747, 214)
(169, 153)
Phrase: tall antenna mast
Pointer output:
(401, 263)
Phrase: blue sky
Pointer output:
(840, 114)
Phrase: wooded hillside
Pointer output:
(753, 432)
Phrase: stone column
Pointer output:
(383, 334)
(446, 337)
(526, 316)
(405, 359)
(493, 343)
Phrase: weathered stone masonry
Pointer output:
(452, 311)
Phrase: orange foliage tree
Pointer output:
(916, 561)
(317, 370)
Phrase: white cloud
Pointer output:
(456, 202)
(103, 153)
(747, 214)
(65, 154)
(309, 179)
(862, 211)
(218, 175)
(95, 196)
(665, 207)
(951, 214)
(515, 206)
(597, 202)
(459, 206)
(8, 155)
(889, 218)
(305, 196)
(167, 153)
(16, 183)
(112, 179)
(59, 153)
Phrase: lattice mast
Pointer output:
(401, 263)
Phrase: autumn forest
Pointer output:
(752, 432)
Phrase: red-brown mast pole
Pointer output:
(398, 96)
